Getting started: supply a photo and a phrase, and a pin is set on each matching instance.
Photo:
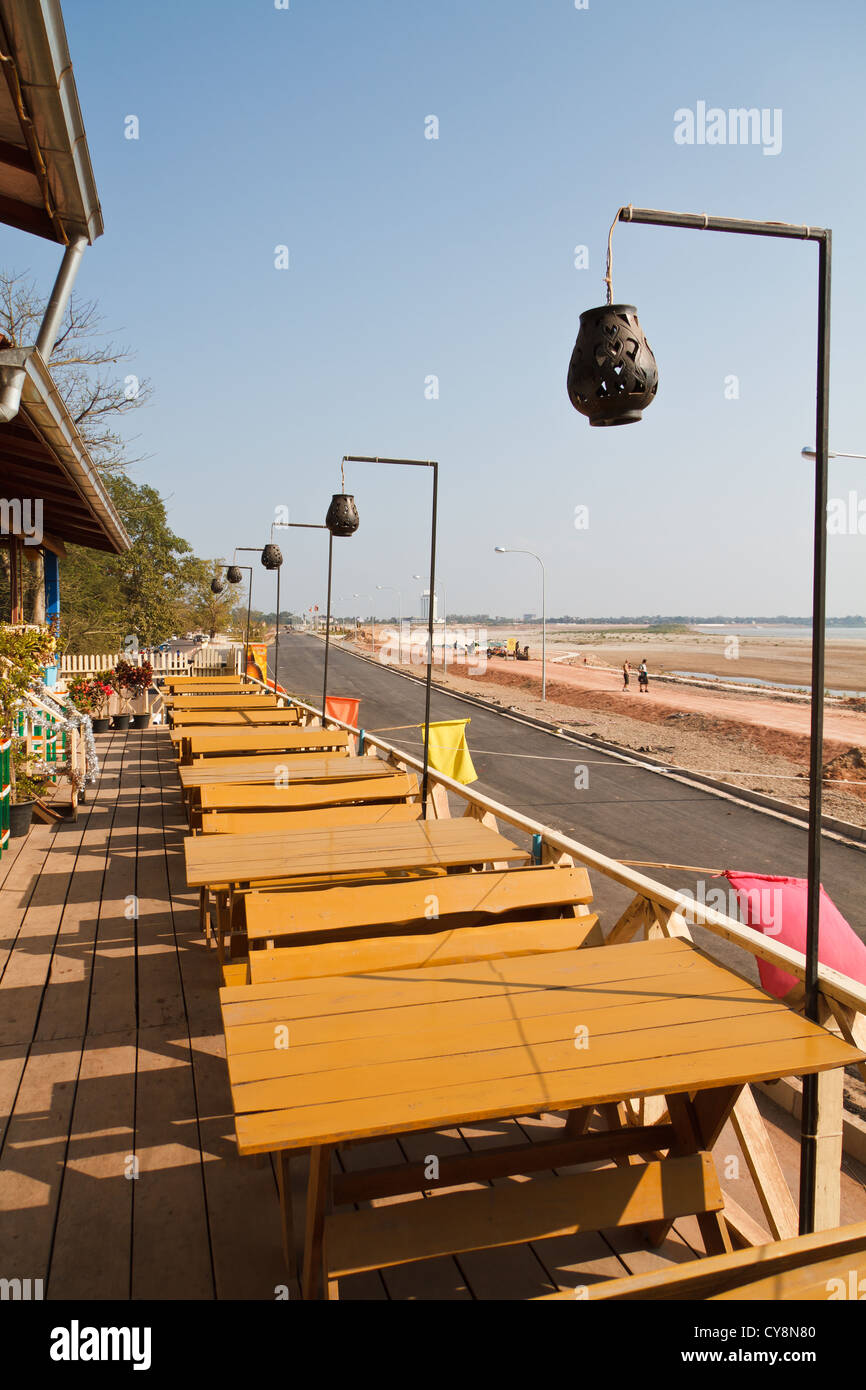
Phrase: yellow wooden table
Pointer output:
(211, 743)
(265, 770)
(343, 850)
(319, 1063)
(183, 721)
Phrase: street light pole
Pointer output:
(420, 463)
(823, 237)
(509, 550)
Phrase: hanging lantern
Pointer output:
(217, 586)
(233, 574)
(612, 375)
(272, 556)
(342, 518)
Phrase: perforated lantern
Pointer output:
(612, 375)
(217, 586)
(272, 556)
(233, 574)
(342, 518)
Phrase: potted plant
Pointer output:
(130, 681)
(27, 787)
(100, 690)
(138, 680)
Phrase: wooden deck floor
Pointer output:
(118, 1171)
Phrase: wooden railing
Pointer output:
(207, 661)
(657, 910)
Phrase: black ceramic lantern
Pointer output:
(342, 518)
(217, 586)
(233, 574)
(612, 375)
(272, 556)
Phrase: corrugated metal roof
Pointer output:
(46, 178)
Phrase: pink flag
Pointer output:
(777, 907)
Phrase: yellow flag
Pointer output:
(448, 753)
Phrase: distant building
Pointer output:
(530, 617)
(425, 607)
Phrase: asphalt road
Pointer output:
(622, 811)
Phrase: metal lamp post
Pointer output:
(272, 559)
(510, 550)
(420, 463)
(612, 378)
(258, 550)
(237, 570)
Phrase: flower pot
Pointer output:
(20, 816)
(141, 721)
(120, 721)
(101, 724)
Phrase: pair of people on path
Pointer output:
(642, 676)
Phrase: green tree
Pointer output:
(141, 593)
(201, 606)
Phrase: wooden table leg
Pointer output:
(313, 1275)
(284, 1187)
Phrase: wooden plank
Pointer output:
(439, 1069)
(203, 745)
(337, 1116)
(318, 1043)
(727, 1274)
(763, 1163)
(270, 770)
(344, 850)
(307, 794)
(218, 720)
(493, 893)
(460, 1221)
(264, 822)
(241, 1195)
(500, 1161)
(454, 947)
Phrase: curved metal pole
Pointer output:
(823, 236)
(419, 463)
(277, 636)
(327, 626)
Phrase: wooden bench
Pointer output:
(398, 787)
(257, 822)
(333, 913)
(514, 1213)
(815, 1266)
(239, 699)
(241, 718)
(457, 946)
(281, 740)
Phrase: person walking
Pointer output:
(626, 669)
(643, 677)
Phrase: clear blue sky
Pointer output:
(455, 257)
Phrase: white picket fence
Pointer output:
(207, 661)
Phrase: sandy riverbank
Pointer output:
(756, 742)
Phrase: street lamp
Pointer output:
(234, 574)
(420, 463)
(391, 589)
(612, 377)
(808, 453)
(271, 551)
(510, 550)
